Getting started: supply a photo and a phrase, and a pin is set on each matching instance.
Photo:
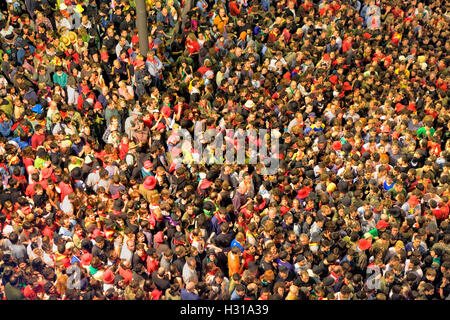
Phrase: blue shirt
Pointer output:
(188, 295)
(234, 243)
(22, 144)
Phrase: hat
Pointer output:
(150, 183)
(382, 224)
(108, 276)
(160, 126)
(364, 244)
(337, 145)
(29, 293)
(86, 259)
(131, 145)
(331, 187)
(312, 114)
(346, 86)
(303, 193)
(209, 73)
(400, 244)
(413, 201)
(72, 36)
(88, 159)
(148, 164)
(65, 41)
(127, 274)
(205, 184)
(249, 104)
(136, 111)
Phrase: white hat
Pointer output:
(209, 73)
(88, 159)
(249, 104)
(136, 111)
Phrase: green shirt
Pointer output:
(422, 132)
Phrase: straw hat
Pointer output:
(72, 36)
(65, 41)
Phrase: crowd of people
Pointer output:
(93, 205)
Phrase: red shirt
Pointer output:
(37, 140)
(193, 46)
(65, 189)
(247, 258)
(234, 9)
(203, 69)
(152, 265)
(123, 150)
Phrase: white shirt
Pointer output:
(66, 206)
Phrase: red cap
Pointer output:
(126, 274)
(399, 107)
(412, 107)
(108, 276)
(150, 183)
(86, 259)
(160, 126)
(205, 184)
(347, 86)
(303, 193)
(26, 210)
(364, 244)
(148, 164)
(382, 224)
(29, 293)
(413, 200)
(97, 232)
(337, 145)
(334, 79)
